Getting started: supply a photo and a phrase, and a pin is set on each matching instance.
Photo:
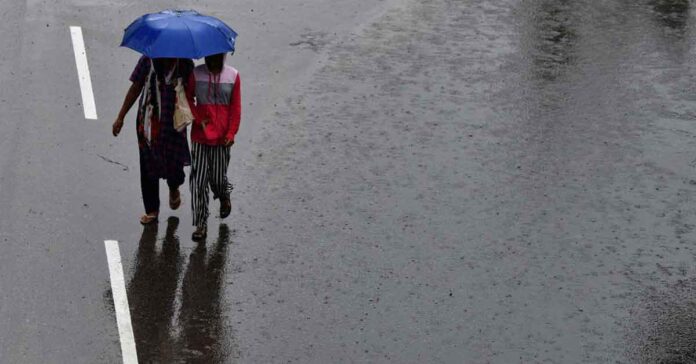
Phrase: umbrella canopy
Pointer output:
(179, 34)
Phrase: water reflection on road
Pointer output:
(173, 325)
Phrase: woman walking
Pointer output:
(163, 150)
(217, 111)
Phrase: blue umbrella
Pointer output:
(179, 34)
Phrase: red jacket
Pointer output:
(217, 98)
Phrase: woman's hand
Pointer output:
(116, 128)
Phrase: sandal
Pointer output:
(225, 207)
(148, 218)
(174, 199)
(200, 233)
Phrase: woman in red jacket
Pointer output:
(215, 96)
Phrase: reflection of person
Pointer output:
(201, 311)
(555, 39)
(163, 151)
(152, 293)
(217, 111)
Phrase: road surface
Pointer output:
(432, 181)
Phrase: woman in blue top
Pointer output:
(163, 151)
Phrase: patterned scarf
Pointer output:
(149, 108)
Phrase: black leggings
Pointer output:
(150, 187)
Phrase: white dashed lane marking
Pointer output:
(118, 289)
(83, 73)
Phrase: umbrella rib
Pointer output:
(193, 40)
(159, 34)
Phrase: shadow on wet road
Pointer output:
(152, 293)
(672, 19)
(673, 13)
(203, 337)
(664, 330)
(171, 327)
(554, 39)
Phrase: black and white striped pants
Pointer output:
(208, 168)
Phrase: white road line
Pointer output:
(83, 73)
(118, 289)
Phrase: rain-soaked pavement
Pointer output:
(430, 181)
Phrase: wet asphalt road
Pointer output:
(433, 181)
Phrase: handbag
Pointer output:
(183, 116)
